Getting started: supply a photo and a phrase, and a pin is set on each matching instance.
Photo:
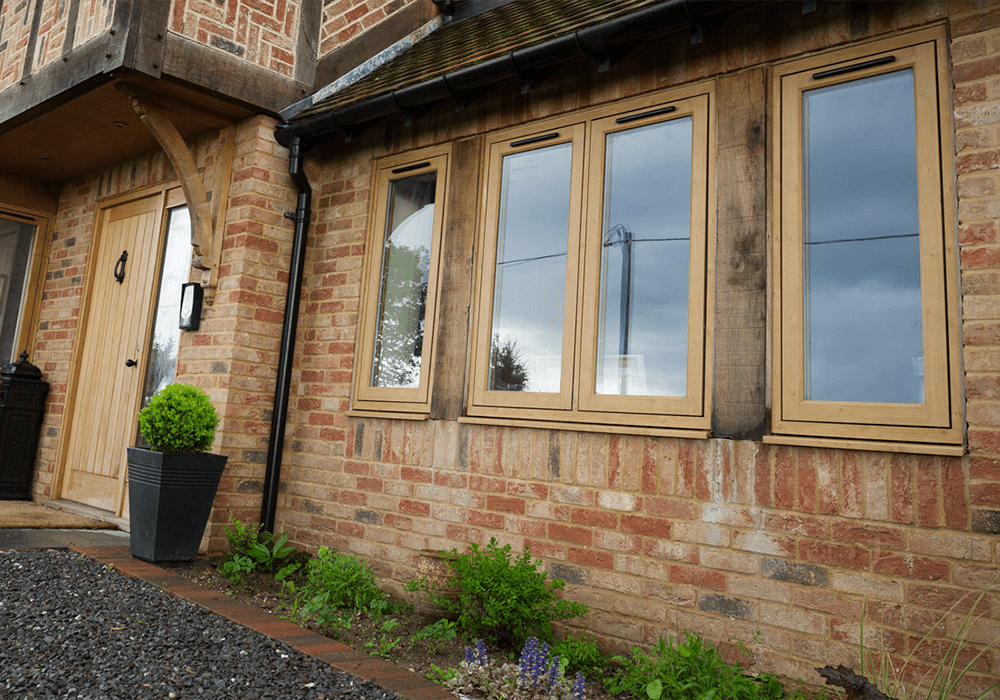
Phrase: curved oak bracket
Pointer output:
(203, 233)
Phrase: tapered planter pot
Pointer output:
(170, 499)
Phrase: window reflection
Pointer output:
(161, 365)
(403, 283)
(530, 281)
(644, 261)
(863, 330)
(17, 240)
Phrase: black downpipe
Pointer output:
(283, 383)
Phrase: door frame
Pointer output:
(171, 196)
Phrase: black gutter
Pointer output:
(283, 383)
(594, 41)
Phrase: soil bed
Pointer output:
(364, 634)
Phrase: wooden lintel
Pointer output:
(180, 157)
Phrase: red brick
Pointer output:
(368, 484)
(969, 93)
(945, 598)
(424, 476)
(953, 494)
(806, 472)
(901, 502)
(985, 494)
(984, 468)
(973, 24)
(411, 507)
(483, 483)
(909, 566)
(700, 578)
(493, 520)
(593, 518)
(651, 527)
(871, 535)
(826, 601)
(591, 557)
(975, 70)
(981, 256)
(649, 468)
(784, 479)
(567, 533)
(927, 471)
(762, 479)
(799, 525)
(981, 333)
(671, 508)
(505, 505)
(835, 554)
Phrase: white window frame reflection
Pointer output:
(414, 397)
(937, 419)
(578, 400)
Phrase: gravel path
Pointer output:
(70, 628)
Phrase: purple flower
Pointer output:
(578, 692)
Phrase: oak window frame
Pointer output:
(577, 404)
(396, 401)
(936, 424)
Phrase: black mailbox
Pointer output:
(22, 407)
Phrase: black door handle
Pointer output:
(130, 363)
(120, 267)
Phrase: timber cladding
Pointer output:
(724, 535)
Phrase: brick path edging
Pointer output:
(339, 656)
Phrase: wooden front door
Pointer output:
(110, 362)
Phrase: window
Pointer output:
(397, 343)
(18, 234)
(866, 307)
(593, 275)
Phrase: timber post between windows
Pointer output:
(865, 291)
(396, 343)
(593, 275)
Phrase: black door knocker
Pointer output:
(120, 267)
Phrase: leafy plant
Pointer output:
(436, 634)
(502, 600)
(179, 418)
(386, 642)
(580, 653)
(942, 678)
(253, 549)
(691, 668)
(334, 581)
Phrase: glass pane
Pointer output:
(161, 365)
(17, 240)
(863, 329)
(643, 334)
(406, 258)
(530, 281)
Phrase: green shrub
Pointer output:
(689, 669)
(334, 581)
(501, 600)
(179, 418)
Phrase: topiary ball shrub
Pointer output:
(179, 418)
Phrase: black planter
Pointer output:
(170, 499)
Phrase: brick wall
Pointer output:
(234, 354)
(724, 537)
(263, 33)
(48, 43)
(345, 19)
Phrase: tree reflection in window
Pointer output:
(402, 304)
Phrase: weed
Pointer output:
(440, 675)
(691, 668)
(385, 643)
(436, 634)
(580, 653)
(237, 568)
(334, 581)
(252, 549)
(505, 601)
